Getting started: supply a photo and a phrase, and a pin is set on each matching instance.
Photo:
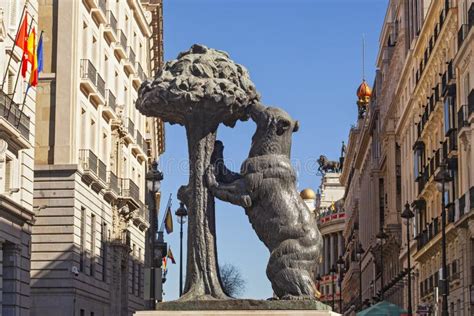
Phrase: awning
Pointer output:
(383, 308)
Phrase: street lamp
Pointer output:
(340, 264)
(442, 177)
(181, 213)
(381, 237)
(332, 271)
(153, 182)
(408, 214)
(359, 253)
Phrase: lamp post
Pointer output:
(407, 214)
(332, 271)
(153, 182)
(381, 237)
(340, 265)
(360, 251)
(442, 177)
(181, 213)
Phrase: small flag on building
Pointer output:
(170, 255)
(22, 42)
(169, 221)
(33, 58)
(163, 264)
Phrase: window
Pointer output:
(139, 286)
(133, 269)
(83, 241)
(82, 139)
(8, 174)
(93, 230)
(103, 248)
(449, 114)
(92, 135)
(84, 40)
(82, 312)
(11, 84)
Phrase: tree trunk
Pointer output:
(202, 273)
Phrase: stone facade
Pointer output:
(94, 148)
(420, 116)
(331, 219)
(17, 138)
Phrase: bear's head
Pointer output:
(274, 131)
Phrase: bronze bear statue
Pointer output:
(266, 188)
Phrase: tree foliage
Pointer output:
(232, 281)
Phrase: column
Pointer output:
(326, 255)
(1, 274)
(340, 243)
(332, 250)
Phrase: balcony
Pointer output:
(129, 63)
(120, 47)
(465, 118)
(99, 11)
(130, 129)
(462, 34)
(130, 193)
(141, 73)
(139, 148)
(110, 108)
(94, 171)
(92, 83)
(111, 30)
(112, 191)
(142, 217)
(12, 122)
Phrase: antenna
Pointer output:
(363, 57)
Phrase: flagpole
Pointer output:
(13, 46)
(26, 93)
(19, 71)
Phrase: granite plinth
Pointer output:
(240, 308)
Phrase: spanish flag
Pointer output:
(33, 58)
(170, 255)
(163, 264)
(169, 221)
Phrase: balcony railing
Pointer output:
(111, 100)
(112, 21)
(88, 71)
(463, 115)
(10, 111)
(131, 127)
(113, 182)
(103, 6)
(101, 85)
(141, 73)
(123, 39)
(102, 171)
(140, 140)
(88, 161)
(131, 55)
(130, 190)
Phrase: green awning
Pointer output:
(383, 308)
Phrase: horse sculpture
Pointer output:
(326, 165)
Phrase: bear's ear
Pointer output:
(282, 126)
(296, 127)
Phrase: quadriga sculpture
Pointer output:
(266, 189)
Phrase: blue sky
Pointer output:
(304, 56)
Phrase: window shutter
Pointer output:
(8, 175)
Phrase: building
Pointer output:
(418, 119)
(434, 129)
(17, 139)
(331, 218)
(92, 154)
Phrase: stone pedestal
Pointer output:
(240, 308)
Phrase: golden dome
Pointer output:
(364, 92)
(308, 194)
